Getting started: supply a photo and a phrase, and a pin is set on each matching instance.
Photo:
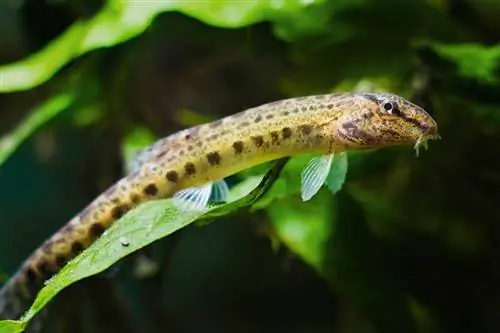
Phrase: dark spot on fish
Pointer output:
(258, 140)
(31, 274)
(190, 168)
(371, 97)
(199, 143)
(238, 147)
(286, 113)
(213, 136)
(150, 190)
(190, 148)
(269, 116)
(391, 132)
(120, 210)
(306, 129)
(410, 120)
(214, 158)
(330, 106)
(135, 198)
(161, 154)
(258, 119)
(275, 136)
(96, 229)
(173, 176)
(304, 108)
(77, 247)
(244, 124)
(287, 132)
(181, 153)
(362, 136)
(42, 266)
(349, 126)
(60, 260)
(312, 107)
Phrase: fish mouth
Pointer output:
(423, 140)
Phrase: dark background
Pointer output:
(415, 246)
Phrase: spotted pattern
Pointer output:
(238, 147)
(286, 124)
(151, 190)
(214, 158)
(258, 140)
(286, 132)
(190, 168)
(173, 176)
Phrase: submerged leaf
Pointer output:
(11, 326)
(39, 116)
(147, 223)
(121, 20)
(473, 60)
(338, 173)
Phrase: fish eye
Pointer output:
(390, 108)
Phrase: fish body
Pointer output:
(190, 164)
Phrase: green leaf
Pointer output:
(473, 60)
(11, 326)
(338, 172)
(305, 227)
(147, 223)
(333, 238)
(133, 144)
(39, 116)
(121, 20)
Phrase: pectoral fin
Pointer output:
(314, 175)
(220, 191)
(193, 198)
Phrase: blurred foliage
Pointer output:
(407, 245)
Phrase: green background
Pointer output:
(408, 245)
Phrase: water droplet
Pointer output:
(124, 241)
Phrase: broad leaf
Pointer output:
(121, 20)
(147, 223)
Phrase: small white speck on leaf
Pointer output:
(124, 241)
